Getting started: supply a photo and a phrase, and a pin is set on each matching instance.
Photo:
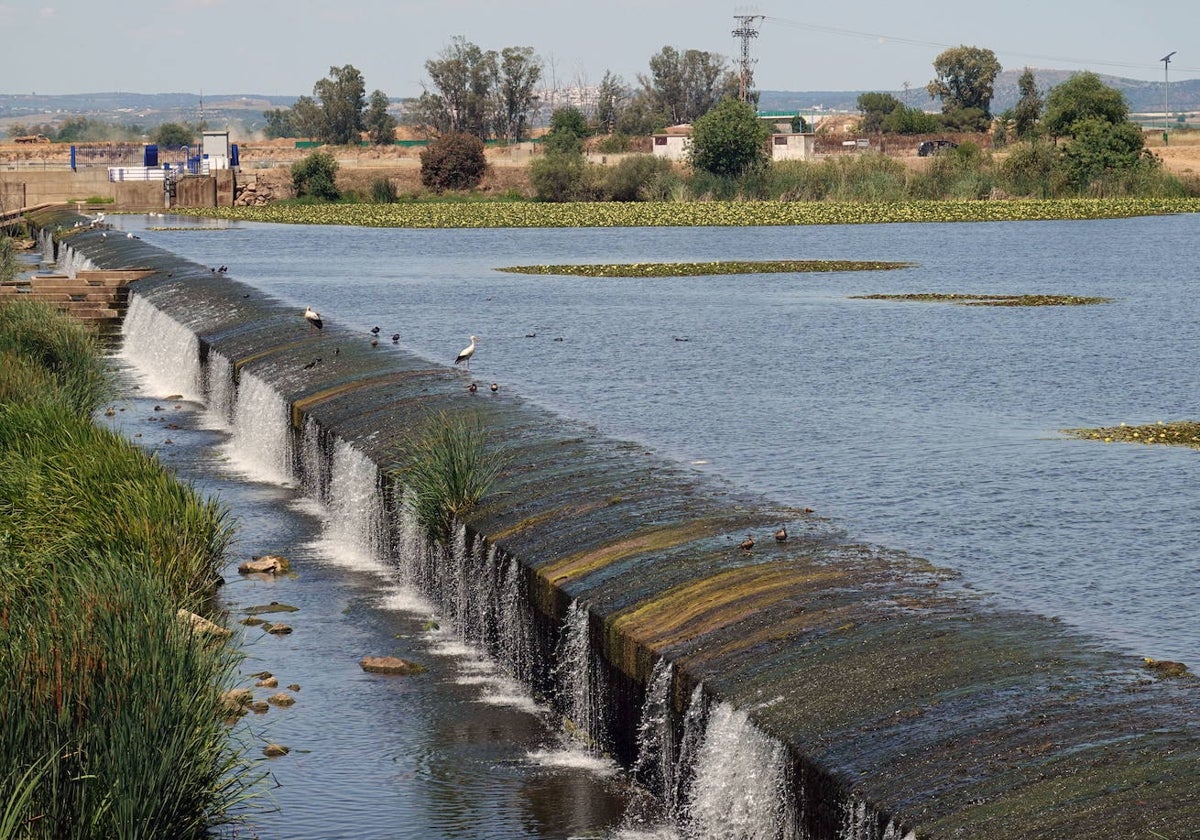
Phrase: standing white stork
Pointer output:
(313, 317)
(467, 352)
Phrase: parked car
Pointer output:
(932, 147)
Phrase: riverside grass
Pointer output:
(534, 214)
(110, 702)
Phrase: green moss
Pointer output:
(989, 300)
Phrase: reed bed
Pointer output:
(110, 700)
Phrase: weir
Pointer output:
(813, 688)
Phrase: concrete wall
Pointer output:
(38, 186)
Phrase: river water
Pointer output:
(927, 428)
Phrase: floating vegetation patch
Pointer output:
(536, 214)
(193, 228)
(706, 268)
(992, 300)
(1178, 433)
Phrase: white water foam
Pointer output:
(261, 441)
(164, 353)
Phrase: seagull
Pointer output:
(747, 543)
(781, 534)
(313, 317)
(395, 338)
(313, 363)
(494, 387)
(467, 353)
(374, 330)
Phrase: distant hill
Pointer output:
(1142, 96)
(245, 110)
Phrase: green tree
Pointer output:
(171, 135)
(343, 100)
(464, 77)
(685, 86)
(611, 98)
(906, 120)
(875, 109)
(966, 78)
(1029, 106)
(729, 140)
(279, 123)
(519, 72)
(1099, 148)
(381, 126)
(1082, 97)
(454, 161)
(568, 129)
(314, 176)
(308, 120)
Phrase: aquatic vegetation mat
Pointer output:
(699, 269)
(533, 214)
(1177, 433)
(990, 300)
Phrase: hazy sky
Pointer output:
(277, 47)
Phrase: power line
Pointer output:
(875, 36)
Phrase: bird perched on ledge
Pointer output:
(313, 317)
(747, 544)
(466, 353)
(781, 534)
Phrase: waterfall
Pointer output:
(655, 765)
(714, 774)
(355, 524)
(71, 261)
(164, 351)
(262, 437)
(46, 246)
(739, 785)
(219, 389)
(579, 685)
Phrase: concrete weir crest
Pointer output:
(812, 688)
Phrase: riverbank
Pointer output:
(113, 658)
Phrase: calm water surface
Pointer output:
(930, 428)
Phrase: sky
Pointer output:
(281, 48)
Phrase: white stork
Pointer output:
(467, 352)
(313, 317)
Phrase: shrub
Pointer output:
(565, 176)
(633, 178)
(454, 161)
(613, 144)
(446, 471)
(383, 191)
(314, 177)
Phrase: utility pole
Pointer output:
(1166, 60)
(746, 30)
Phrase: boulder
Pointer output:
(389, 665)
(281, 699)
(271, 564)
(275, 750)
(201, 626)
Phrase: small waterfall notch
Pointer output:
(809, 689)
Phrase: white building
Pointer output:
(791, 146)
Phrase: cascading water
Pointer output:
(739, 783)
(45, 240)
(579, 686)
(355, 505)
(70, 261)
(262, 430)
(219, 390)
(164, 351)
(656, 752)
